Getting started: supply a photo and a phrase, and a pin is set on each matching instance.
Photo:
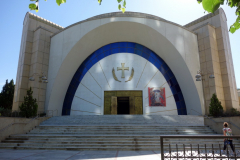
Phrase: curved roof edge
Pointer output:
(203, 18)
(126, 14)
(40, 19)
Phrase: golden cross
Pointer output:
(122, 68)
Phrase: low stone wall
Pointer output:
(217, 124)
(20, 126)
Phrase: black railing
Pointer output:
(198, 151)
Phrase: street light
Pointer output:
(199, 76)
(42, 78)
(212, 76)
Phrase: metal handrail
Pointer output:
(191, 137)
(17, 123)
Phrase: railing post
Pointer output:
(162, 151)
(227, 151)
(184, 151)
(191, 150)
(177, 150)
(213, 151)
(235, 155)
(170, 151)
(199, 153)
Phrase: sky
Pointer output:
(12, 15)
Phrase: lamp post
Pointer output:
(199, 76)
(42, 78)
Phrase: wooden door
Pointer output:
(107, 105)
(113, 105)
(131, 105)
(138, 105)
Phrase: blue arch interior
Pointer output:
(125, 47)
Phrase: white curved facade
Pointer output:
(94, 83)
(175, 45)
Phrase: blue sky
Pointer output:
(12, 14)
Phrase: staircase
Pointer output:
(132, 132)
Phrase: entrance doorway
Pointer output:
(123, 105)
(123, 102)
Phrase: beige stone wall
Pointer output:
(216, 58)
(239, 96)
(209, 61)
(217, 124)
(19, 125)
(33, 59)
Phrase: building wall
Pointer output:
(203, 46)
(89, 97)
(239, 97)
(33, 59)
(216, 58)
(164, 38)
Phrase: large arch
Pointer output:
(120, 32)
(124, 47)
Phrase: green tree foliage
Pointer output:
(234, 112)
(212, 5)
(215, 108)
(35, 6)
(6, 96)
(29, 107)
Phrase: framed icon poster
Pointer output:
(156, 96)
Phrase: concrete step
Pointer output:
(111, 128)
(53, 145)
(136, 142)
(125, 120)
(117, 126)
(106, 148)
(121, 132)
(120, 140)
(84, 136)
(107, 130)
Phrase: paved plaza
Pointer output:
(6, 154)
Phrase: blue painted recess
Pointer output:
(125, 47)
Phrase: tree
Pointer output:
(29, 107)
(6, 96)
(215, 108)
(212, 5)
(34, 6)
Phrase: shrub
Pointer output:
(234, 112)
(42, 114)
(6, 95)
(29, 107)
(215, 108)
(1, 111)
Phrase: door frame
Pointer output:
(132, 94)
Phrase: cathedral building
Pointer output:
(131, 63)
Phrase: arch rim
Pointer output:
(131, 48)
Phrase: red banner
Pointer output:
(156, 96)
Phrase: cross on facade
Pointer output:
(123, 68)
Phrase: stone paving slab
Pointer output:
(77, 155)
